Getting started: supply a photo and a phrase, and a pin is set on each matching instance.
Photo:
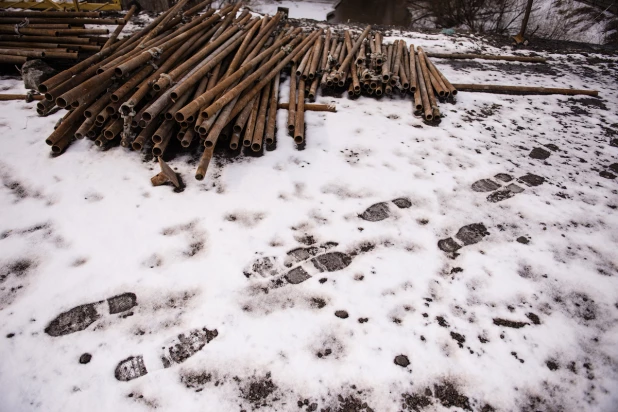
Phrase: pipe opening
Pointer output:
(246, 143)
(237, 128)
(61, 102)
(146, 116)
(179, 117)
(114, 98)
(269, 141)
(56, 149)
(42, 88)
(156, 139)
(233, 146)
(298, 139)
(137, 146)
(199, 176)
(118, 72)
(256, 147)
(110, 110)
(291, 128)
(157, 151)
(174, 96)
(202, 130)
(168, 116)
(208, 143)
(156, 87)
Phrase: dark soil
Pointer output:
(258, 391)
(509, 323)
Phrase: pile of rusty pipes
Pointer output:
(54, 35)
(367, 66)
(183, 81)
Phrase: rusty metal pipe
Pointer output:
(422, 85)
(113, 129)
(292, 108)
(428, 85)
(258, 133)
(243, 117)
(120, 27)
(162, 137)
(269, 135)
(195, 9)
(203, 164)
(413, 76)
(188, 137)
(248, 137)
(83, 130)
(234, 140)
(316, 56)
(418, 103)
(312, 107)
(496, 88)
(524, 59)
(303, 63)
(299, 124)
(145, 135)
(69, 120)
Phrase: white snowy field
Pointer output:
(521, 317)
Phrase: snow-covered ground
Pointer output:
(382, 267)
(314, 9)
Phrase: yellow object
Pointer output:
(74, 5)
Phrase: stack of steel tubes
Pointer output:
(54, 35)
(368, 66)
(183, 80)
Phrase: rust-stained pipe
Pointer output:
(50, 14)
(258, 133)
(325, 51)
(203, 164)
(269, 135)
(248, 137)
(316, 57)
(413, 76)
(313, 107)
(403, 78)
(84, 128)
(113, 129)
(145, 135)
(418, 104)
(305, 75)
(188, 137)
(24, 53)
(397, 57)
(422, 85)
(196, 9)
(69, 121)
(12, 59)
(303, 63)
(495, 88)
(292, 108)
(162, 137)
(313, 89)
(299, 124)
(120, 27)
(26, 97)
(525, 59)
(234, 140)
(428, 85)
(243, 117)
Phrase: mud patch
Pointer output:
(376, 212)
(259, 392)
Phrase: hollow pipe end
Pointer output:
(208, 143)
(156, 151)
(269, 141)
(233, 146)
(298, 139)
(137, 147)
(256, 147)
